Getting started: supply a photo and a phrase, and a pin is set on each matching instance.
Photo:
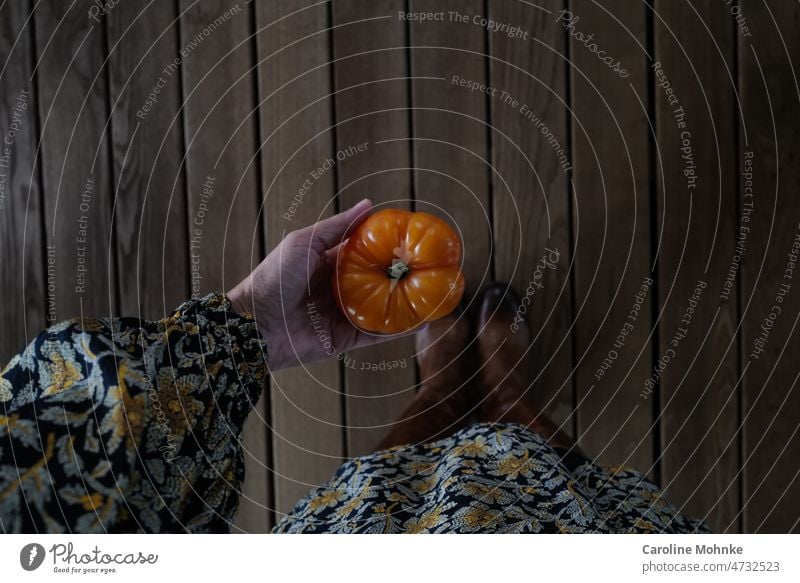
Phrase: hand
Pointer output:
(290, 293)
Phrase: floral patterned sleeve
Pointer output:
(125, 425)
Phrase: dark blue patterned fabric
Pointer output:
(122, 425)
(485, 478)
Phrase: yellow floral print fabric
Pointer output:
(485, 478)
(124, 425)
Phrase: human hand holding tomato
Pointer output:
(396, 271)
(399, 270)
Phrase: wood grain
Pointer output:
(720, 430)
(295, 87)
(76, 168)
(611, 140)
(370, 80)
(698, 396)
(23, 276)
(451, 165)
(530, 196)
(224, 225)
(768, 61)
(150, 222)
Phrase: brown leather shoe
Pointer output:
(441, 407)
(503, 339)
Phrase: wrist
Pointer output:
(238, 297)
(242, 302)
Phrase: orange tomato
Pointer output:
(398, 270)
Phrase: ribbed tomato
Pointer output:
(398, 270)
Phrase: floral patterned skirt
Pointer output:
(485, 478)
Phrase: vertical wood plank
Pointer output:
(451, 166)
(370, 78)
(697, 206)
(530, 149)
(24, 311)
(297, 134)
(151, 221)
(225, 234)
(76, 175)
(769, 59)
(613, 278)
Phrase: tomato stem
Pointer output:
(397, 270)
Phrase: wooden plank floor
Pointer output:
(611, 218)
(295, 80)
(697, 228)
(151, 153)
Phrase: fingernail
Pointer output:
(360, 207)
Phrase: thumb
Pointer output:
(332, 231)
